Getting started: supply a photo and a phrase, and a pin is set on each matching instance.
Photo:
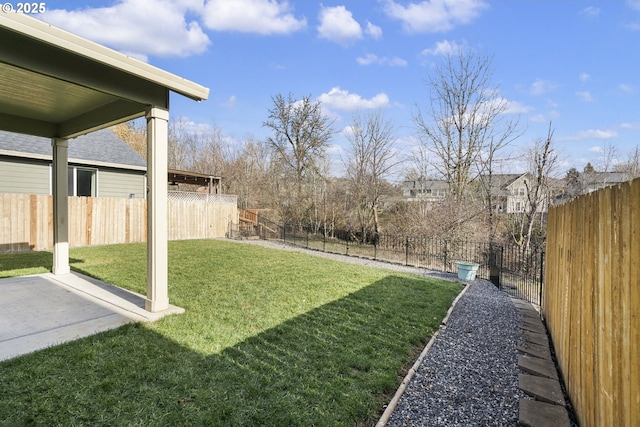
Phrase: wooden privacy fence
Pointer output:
(27, 221)
(591, 302)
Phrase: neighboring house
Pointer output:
(100, 165)
(510, 192)
(593, 181)
(425, 189)
(588, 182)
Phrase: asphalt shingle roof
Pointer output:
(100, 146)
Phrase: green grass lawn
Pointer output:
(268, 338)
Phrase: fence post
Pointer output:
(375, 249)
(541, 278)
(446, 253)
(324, 240)
(494, 268)
(406, 251)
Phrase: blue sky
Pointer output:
(574, 63)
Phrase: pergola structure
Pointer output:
(193, 178)
(58, 85)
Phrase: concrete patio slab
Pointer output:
(43, 310)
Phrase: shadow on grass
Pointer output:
(26, 260)
(23, 263)
(334, 365)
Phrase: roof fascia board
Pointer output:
(42, 33)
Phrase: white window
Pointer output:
(82, 182)
(518, 207)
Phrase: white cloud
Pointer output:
(596, 149)
(347, 131)
(337, 25)
(538, 118)
(515, 107)
(373, 31)
(584, 77)
(137, 27)
(339, 99)
(252, 16)
(634, 4)
(230, 102)
(591, 134)
(540, 87)
(445, 48)
(590, 11)
(585, 95)
(626, 88)
(632, 126)
(182, 124)
(635, 26)
(432, 16)
(370, 59)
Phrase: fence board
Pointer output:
(592, 302)
(27, 220)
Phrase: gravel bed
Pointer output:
(469, 377)
(275, 244)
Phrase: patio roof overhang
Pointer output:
(59, 85)
(56, 84)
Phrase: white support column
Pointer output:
(157, 246)
(60, 189)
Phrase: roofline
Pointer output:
(72, 160)
(193, 174)
(47, 33)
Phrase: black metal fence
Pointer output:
(518, 273)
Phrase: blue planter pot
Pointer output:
(467, 270)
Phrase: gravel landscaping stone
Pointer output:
(470, 375)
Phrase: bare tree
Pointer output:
(371, 159)
(631, 167)
(465, 124)
(608, 158)
(134, 134)
(543, 160)
(301, 134)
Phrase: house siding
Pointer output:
(24, 177)
(20, 176)
(120, 184)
